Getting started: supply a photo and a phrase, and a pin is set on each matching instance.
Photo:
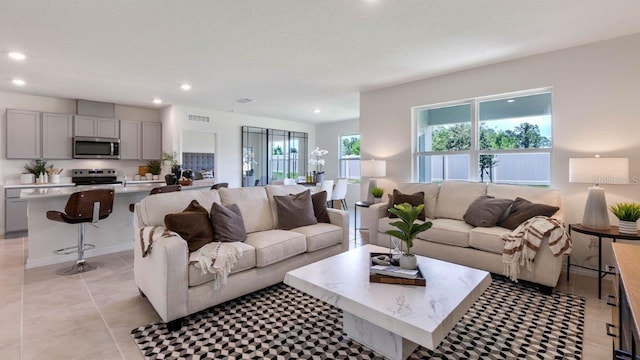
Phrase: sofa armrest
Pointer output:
(162, 275)
(341, 218)
(370, 217)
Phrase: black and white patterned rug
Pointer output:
(508, 321)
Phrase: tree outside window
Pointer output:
(350, 157)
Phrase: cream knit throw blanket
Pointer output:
(217, 258)
(521, 245)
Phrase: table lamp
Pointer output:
(373, 169)
(598, 171)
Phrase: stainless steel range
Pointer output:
(94, 176)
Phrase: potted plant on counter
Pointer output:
(176, 168)
(628, 215)
(407, 231)
(37, 168)
(155, 168)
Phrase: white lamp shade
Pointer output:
(599, 170)
(373, 168)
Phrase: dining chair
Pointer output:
(340, 192)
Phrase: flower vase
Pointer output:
(627, 227)
(408, 262)
(319, 178)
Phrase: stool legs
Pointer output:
(81, 265)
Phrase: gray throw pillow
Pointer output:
(295, 210)
(523, 210)
(486, 211)
(414, 199)
(227, 223)
(320, 210)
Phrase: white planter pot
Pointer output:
(27, 178)
(409, 262)
(627, 227)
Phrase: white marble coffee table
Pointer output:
(392, 319)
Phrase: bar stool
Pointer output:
(220, 185)
(159, 190)
(82, 207)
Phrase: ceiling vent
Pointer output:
(199, 118)
(245, 100)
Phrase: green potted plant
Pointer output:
(407, 231)
(37, 168)
(155, 168)
(628, 215)
(377, 194)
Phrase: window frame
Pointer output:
(342, 159)
(475, 151)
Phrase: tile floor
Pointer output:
(89, 316)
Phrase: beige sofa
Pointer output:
(452, 239)
(176, 288)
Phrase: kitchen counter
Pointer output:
(27, 186)
(110, 235)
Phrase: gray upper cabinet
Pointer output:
(130, 138)
(23, 134)
(96, 127)
(57, 136)
(151, 141)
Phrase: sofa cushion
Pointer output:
(320, 210)
(227, 223)
(280, 190)
(455, 197)
(414, 199)
(488, 239)
(192, 224)
(295, 210)
(448, 231)
(153, 208)
(245, 262)
(276, 245)
(523, 210)
(320, 235)
(430, 195)
(253, 203)
(485, 211)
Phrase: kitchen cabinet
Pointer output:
(151, 141)
(23, 134)
(130, 139)
(35, 135)
(57, 136)
(96, 127)
(15, 215)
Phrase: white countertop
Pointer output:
(38, 186)
(50, 192)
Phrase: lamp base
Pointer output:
(373, 183)
(595, 211)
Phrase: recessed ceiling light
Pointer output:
(317, 111)
(245, 100)
(157, 101)
(510, 100)
(17, 56)
(185, 87)
(19, 82)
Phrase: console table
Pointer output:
(611, 233)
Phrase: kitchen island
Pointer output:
(110, 235)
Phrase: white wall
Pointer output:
(328, 138)
(595, 95)
(10, 169)
(227, 128)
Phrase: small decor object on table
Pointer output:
(317, 161)
(377, 194)
(628, 215)
(381, 271)
(408, 229)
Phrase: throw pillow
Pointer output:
(414, 199)
(523, 210)
(486, 211)
(192, 224)
(320, 210)
(295, 210)
(227, 222)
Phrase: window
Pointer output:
(504, 139)
(350, 157)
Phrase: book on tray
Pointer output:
(394, 271)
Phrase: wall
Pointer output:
(328, 138)
(227, 128)
(10, 169)
(595, 96)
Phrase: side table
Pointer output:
(611, 233)
(361, 204)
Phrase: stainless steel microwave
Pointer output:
(95, 148)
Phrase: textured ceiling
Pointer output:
(290, 56)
